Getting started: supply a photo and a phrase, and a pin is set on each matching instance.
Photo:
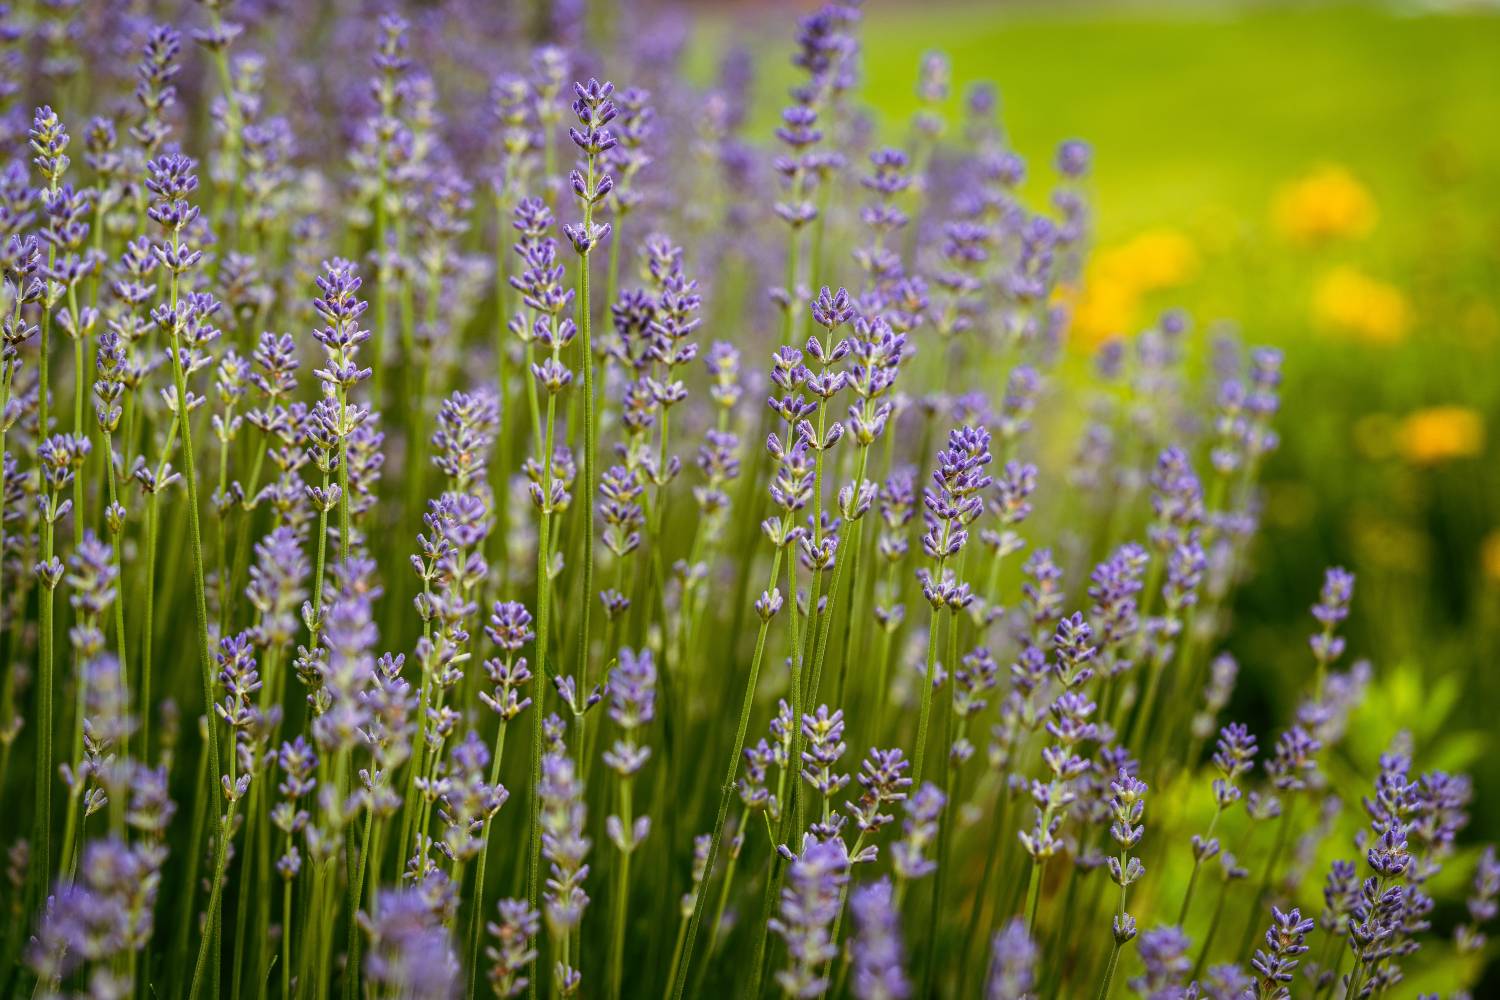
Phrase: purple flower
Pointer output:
(879, 966)
(591, 185)
(1113, 587)
(49, 141)
(1482, 902)
(564, 843)
(809, 903)
(1073, 159)
(410, 951)
(1284, 942)
(1164, 950)
(277, 586)
(340, 307)
(1234, 755)
(953, 501)
(467, 800)
(1042, 594)
(882, 775)
(918, 831)
(467, 423)
(348, 665)
(1294, 761)
(106, 912)
(632, 690)
(1226, 982)
(824, 733)
(513, 949)
(1331, 609)
(1072, 646)
(1013, 959)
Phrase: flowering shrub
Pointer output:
(467, 580)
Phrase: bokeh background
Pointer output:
(1327, 178)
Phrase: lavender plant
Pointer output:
(269, 718)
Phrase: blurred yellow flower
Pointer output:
(1489, 556)
(1440, 434)
(1118, 277)
(1327, 204)
(1350, 302)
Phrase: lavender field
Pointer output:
(624, 500)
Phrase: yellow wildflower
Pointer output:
(1350, 302)
(1119, 277)
(1440, 434)
(1327, 204)
(1489, 559)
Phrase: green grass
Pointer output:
(1196, 113)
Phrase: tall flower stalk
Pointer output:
(590, 186)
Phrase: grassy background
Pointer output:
(1199, 117)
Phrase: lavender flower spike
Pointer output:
(879, 972)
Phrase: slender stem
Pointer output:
(147, 624)
(119, 556)
(242, 905)
(42, 841)
(200, 591)
(355, 893)
(80, 350)
(476, 916)
(543, 635)
(622, 891)
(287, 915)
(677, 951)
(945, 831)
(796, 811)
(736, 846)
(1284, 829)
(1033, 894)
(590, 453)
(211, 932)
(1109, 972)
(1187, 897)
(924, 715)
(726, 791)
(382, 284)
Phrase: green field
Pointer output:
(1199, 113)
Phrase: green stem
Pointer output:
(543, 635)
(622, 892)
(1187, 898)
(726, 792)
(796, 811)
(287, 915)
(924, 715)
(200, 592)
(42, 841)
(210, 931)
(476, 916)
(1109, 972)
(1033, 895)
(80, 349)
(590, 460)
